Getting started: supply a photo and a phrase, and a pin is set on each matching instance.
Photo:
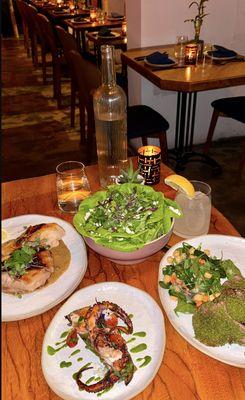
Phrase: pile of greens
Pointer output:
(194, 274)
(126, 217)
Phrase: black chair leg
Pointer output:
(212, 126)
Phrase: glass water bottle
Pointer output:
(110, 112)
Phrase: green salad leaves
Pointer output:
(126, 217)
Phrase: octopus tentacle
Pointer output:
(108, 381)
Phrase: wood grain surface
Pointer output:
(185, 373)
(188, 79)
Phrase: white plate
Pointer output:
(221, 58)
(41, 300)
(147, 317)
(229, 247)
(115, 35)
(163, 66)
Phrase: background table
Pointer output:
(185, 373)
(187, 82)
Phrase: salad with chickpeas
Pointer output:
(193, 277)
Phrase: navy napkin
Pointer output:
(159, 58)
(221, 52)
(105, 32)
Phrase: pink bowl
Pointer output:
(133, 257)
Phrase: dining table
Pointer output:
(187, 81)
(185, 373)
(80, 28)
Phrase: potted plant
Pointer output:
(198, 19)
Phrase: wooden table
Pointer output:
(79, 29)
(187, 82)
(185, 373)
(119, 43)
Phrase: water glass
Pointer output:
(196, 211)
(179, 49)
(100, 16)
(72, 185)
(207, 47)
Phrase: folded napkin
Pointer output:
(105, 32)
(221, 52)
(80, 19)
(159, 58)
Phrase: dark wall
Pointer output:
(7, 30)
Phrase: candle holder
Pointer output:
(149, 162)
(93, 15)
(124, 29)
(191, 51)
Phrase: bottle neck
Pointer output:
(108, 66)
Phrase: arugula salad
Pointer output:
(193, 277)
(125, 217)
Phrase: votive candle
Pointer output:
(149, 162)
(191, 54)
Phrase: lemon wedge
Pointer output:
(4, 235)
(180, 183)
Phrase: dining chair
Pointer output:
(20, 7)
(69, 43)
(230, 107)
(31, 32)
(142, 121)
(58, 64)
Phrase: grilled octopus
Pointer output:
(98, 327)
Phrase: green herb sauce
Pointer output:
(104, 391)
(51, 351)
(65, 364)
(140, 347)
(131, 340)
(130, 316)
(147, 360)
(90, 380)
(79, 359)
(74, 352)
(58, 343)
(140, 334)
(64, 334)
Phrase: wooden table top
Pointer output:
(185, 372)
(91, 26)
(187, 79)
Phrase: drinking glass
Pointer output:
(100, 16)
(196, 211)
(206, 48)
(72, 185)
(179, 49)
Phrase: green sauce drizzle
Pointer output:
(130, 316)
(58, 343)
(104, 391)
(140, 334)
(51, 351)
(90, 380)
(131, 340)
(147, 360)
(80, 359)
(74, 352)
(64, 334)
(65, 364)
(140, 347)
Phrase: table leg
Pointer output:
(184, 134)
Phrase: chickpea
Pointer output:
(167, 278)
(170, 260)
(208, 275)
(178, 259)
(211, 297)
(176, 253)
(207, 252)
(198, 297)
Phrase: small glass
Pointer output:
(72, 7)
(72, 185)
(93, 14)
(196, 211)
(179, 49)
(100, 16)
(208, 47)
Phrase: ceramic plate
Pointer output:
(228, 247)
(41, 300)
(115, 18)
(146, 317)
(115, 35)
(162, 66)
(221, 58)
